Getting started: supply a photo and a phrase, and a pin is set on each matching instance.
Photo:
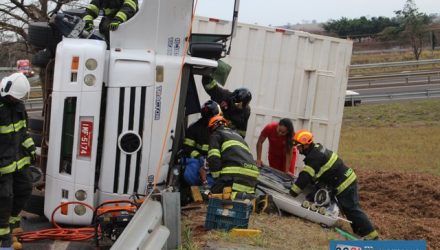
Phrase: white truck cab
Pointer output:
(117, 114)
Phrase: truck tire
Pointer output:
(39, 34)
(41, 58)
(35, 204)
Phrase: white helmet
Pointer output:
(15, 85)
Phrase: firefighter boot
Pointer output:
(6, 242)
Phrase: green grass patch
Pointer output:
(394, 136)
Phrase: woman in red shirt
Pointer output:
(282, 154)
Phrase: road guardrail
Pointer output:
(394, 64)
(428, 93)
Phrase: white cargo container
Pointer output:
(291, 74)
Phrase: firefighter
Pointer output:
(234, 105)
(17, 152)
(326, 168)
(230, 161)
(196, 145)
(115, 13)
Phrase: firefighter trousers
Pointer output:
(348, 201)
(15, 190)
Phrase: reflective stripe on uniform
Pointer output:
(194, 154)
(214, 152)
(189, 142)
(28, 142)
(215, 174)
(88, 18)
(204, 147)
(309, 170)
(108, 11)
(243, 188)
(131, 4)
(16, 165)
(241, 132)
(327, 165)
(14, 219)
(122, 16)
(372, 235)
(346, 183)
(211, 85)
(93, 8)
(4, 231)
(231, 143)
(241, 170)
(295, 189)
(13, 127)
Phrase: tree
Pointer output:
(413, 26)
(15, 15)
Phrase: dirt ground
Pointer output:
(403, 206)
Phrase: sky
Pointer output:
(280, 12)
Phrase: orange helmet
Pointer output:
(303, 137)
(216, 120)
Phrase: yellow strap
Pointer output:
(327, 165)
(29, 142)
(346, 183)
(231, 143)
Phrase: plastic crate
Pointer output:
(227, 214)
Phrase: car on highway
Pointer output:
(352, 98)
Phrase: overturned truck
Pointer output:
(114, 117)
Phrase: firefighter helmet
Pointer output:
(242, 95)
(210, 109)
(216, 121)
(15, 85)
(303, 137)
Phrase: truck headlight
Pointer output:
(89, 80)
(80, 210)
(91, 64)
(81, 195)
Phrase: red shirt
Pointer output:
(277, 148)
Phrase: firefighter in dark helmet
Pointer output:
(230, 161)
(234, 105)
(325, 167)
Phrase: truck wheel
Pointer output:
(39, 34)
(35, 204)
(41, 58)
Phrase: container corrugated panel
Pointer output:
(291, 74)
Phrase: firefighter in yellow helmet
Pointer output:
(17, 152)
(115, 13)
(325, 167)
(230, 161)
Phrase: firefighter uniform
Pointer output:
(195, 147)
(238, 118)
(231, 163)
(17, 151)
(115, 12)
(325, 167)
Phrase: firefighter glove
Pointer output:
(114, 25)
(89, 26)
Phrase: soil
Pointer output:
(403, 206)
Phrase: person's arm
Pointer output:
(288, 161)
(260, 141)
(214, 156)
(189, 143)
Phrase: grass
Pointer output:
(394, 136)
